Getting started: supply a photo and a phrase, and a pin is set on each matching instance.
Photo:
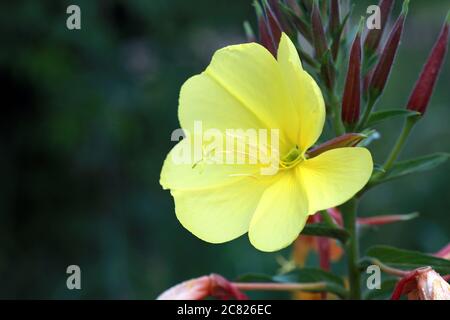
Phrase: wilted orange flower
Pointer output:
(422, 284)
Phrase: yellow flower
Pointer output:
(246, 87)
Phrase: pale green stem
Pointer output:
(389, 270)
(401, 140)
(366, 115)
(248, 286)
(337, 121)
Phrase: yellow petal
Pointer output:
(243, 87)
(191, 174)
(219, 214)
(335, 176)
(306, 97)
(287, 55)
(204, 99)
(281, 214)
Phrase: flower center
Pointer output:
(293, 158)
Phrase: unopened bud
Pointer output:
(265, 37)
(384, 66)
(351, 100)
(344, 141)
(319, 38)
(274, 25)
(374, 36)
(423, 90)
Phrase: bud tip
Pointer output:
(405, 8)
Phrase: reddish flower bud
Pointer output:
(293, 4)
(274, 5)
(335, 17)
(295, 16)
(283, 20)
(423, 90)
(384, 66)
(274, 24)
(351, 100)
(265, 37)
(319, 38)
(374, 36)
(344, 141)
(334, 27)
(308, 4)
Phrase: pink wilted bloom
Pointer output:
(213, 285)
(422, 284)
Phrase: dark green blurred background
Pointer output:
(85, 126)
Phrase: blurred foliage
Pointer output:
(85, 126)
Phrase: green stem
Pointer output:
(401, 140)
(337, 121)
(367, 112)
(352, 248)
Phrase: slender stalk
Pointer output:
(395, 152)
(352, 248)
(367, 112)
(337, 122)
(389, 270)
(280, 286)
(313, 286)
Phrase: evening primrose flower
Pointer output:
(246, 87)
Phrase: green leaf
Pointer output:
(417, 165)
(380, 116)
(409, 260)
(378, 168)
(384, 293)
(324, 230)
